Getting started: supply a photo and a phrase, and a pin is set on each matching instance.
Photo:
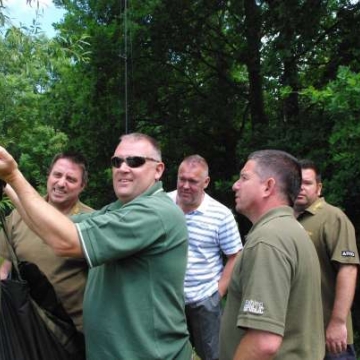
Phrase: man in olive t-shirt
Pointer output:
(273, 309)
(334, 238)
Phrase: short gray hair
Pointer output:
(283, 167)
(140, 136)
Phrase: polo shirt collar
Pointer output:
(272, 214)
(153, 190)
(203, 206)
(316, 206)
(76, 209)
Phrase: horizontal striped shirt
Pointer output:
(213, 232)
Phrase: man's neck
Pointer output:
(298, 212)
(265, 208)
(64, 208)
(189, 208)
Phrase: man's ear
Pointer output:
(83, 186)
(206, 182)
(160, 167)
(319, 188)
(269, 186)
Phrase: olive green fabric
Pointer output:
(275, 287)
(334, 238)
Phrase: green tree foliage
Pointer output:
(211, 77)
(87, 99)
(340, 102)
(218, 78)
(28, 63)
(199, 89)
(23, 80)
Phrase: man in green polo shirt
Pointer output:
(273, 308)
(334, 238)
(136, 249)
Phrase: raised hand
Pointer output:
(7, 165)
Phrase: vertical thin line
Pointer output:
(126, 69)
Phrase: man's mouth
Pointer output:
(58, 191)
(182, 193)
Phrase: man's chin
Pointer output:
(57, 199)
(185, 198)
(300, 206)
(301, 201)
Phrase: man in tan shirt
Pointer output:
(334, 238)
(66, 180)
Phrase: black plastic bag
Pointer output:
(31, 332)
(33, 323)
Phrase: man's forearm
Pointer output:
(336, 331)
(258, 345)
(51, 225)
(226, 274)
(344, 293)
(9, 191)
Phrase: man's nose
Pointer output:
(124, 166)
(235, 185)
(61, 181)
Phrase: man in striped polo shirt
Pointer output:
(213, 232)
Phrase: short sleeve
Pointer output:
(229, 236)
(119, 234)
(340, 239)
(267, 290)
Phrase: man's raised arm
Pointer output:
(52, 226)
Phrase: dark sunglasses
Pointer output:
(131, 161)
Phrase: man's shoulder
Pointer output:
(172, 195)
(278, 223)
(282, 214)
(165, 204)
(332, 208)
(81, 208)
(85, 208)
(158, 202)
(214, 204)
(326, 210)
(14, 217)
